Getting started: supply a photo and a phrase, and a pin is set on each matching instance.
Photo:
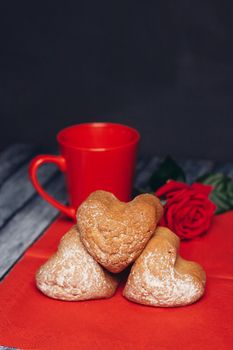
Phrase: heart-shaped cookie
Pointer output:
(160, 277)
(114, 232)
(72, 274)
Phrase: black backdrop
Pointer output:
(164, 67)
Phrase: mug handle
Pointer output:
(61, 164)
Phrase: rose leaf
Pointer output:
(168, 170)
(222, 193)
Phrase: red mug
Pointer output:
(94, 156)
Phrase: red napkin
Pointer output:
(30, 320)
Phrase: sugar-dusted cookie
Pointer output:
(72, 274)
(160, 277)
(114, 232)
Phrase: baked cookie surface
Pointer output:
(160, 277)
(72, 274)
(114, 232)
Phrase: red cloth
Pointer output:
(29, 320)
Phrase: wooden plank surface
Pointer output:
(24, 215)
(27, 225)
(12, 158)
(17, 190)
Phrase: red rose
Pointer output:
(188, 211)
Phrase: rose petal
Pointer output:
(183, 213)
(184, 193)
(170, 186)
(162, 221)
(200, 188)
(192, 213)
(198, 196)
(169, 217)
(188, 210)
(181, 231)
(188, 229)
(200, 217)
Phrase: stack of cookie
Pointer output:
(110, 236)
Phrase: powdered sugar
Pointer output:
(161, 278)
(72, 274)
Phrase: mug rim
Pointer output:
(135, 140)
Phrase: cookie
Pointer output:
(114, 232)
(160, 277)
(72, 274)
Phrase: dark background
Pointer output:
(165, 68)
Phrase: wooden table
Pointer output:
(24, 215)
